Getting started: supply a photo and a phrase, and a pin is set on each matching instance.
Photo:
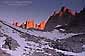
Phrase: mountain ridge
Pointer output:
(67, 20)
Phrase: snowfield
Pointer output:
(27, 48)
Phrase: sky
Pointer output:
(38, 10)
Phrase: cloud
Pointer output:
(17, 3)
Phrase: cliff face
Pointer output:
(69, 20)
(78, 23)
(31, 25)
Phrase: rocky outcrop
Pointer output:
(49, 54)
(10, 44)
(72, 44)
(62, 18)
(78, 23)
(69, 21)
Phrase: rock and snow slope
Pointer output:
(21, 42)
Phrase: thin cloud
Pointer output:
(17, 3)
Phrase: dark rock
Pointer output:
(10, 44)
(47, 50)
(72, 44)
(55, 20)
(49, 54)
(1, 34)
(71, 23)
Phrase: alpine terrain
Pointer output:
(64, 35)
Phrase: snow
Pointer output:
(81, 54)
(83, 46)
(62, 29)
(53, 35)
(16, 37)
(66, 52)
(2, 41)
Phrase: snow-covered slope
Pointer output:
(20, 42)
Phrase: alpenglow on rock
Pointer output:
(69, 20)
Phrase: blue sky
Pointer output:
(21, 10)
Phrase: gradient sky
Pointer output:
(21, 10)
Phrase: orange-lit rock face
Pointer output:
(30, 24)
(41, 26)
(69, 11)
(64, 9)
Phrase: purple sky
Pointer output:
(38, 10)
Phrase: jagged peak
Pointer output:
(64, 10)
(67, 10)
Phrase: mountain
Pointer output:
(16, 41)
(68, 20)
(21, 42)
(61, 18)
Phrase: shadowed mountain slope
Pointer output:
(68, 19)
